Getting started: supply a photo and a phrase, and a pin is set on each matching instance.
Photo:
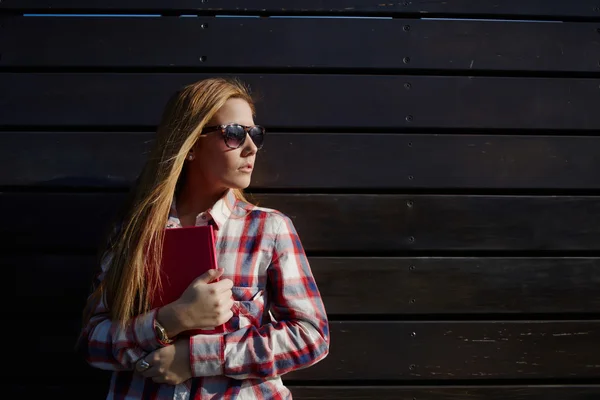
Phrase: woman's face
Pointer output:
(217, 167)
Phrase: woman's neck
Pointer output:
(194, 199)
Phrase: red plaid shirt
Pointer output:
(279, 322)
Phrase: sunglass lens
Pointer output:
(257, 134)
(235, 135)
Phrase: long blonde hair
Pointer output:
(134, 247)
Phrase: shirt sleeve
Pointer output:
(107, 345)
(299, 336)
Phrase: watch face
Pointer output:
(159, 332)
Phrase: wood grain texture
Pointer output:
(499, 9)
(422, 303)
(368, 161)
(404, 286)
(455, 285)
(264, 44)
(440, 392)
(306, 101)
(458, 350)
(355, 224)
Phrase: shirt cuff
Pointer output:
(144, 333)
(207, 355)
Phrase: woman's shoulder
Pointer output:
(272, 217)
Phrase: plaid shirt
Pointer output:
(279, 322)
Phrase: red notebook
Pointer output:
(187, 253)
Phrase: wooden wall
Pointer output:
(442, 173)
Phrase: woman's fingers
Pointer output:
(223, 285)
(146, 369)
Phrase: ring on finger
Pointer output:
(143, 365)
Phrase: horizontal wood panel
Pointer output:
(431, 285)
(505, 8)
(459, 350)
(422, 285)
(96, 390)
(323, 160)
(310, 101)
(263, 43)
(88, 159)
(341, 223)
(400, 351)
(440, 392)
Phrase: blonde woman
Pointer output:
(266, 296)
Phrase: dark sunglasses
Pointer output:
(234, 135)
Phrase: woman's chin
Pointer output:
(239, 183)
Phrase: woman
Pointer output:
(265, 294)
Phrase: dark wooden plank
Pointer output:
(396, 351)
(96, 390)
(441, 392)
(458, 350)
(63, 281)
(435, 285)
(422, 285)
(371, 223)
(384, 102)
(88, 388)
(505, 8)
(323, 160)
(82, 220)
(90, 159)
(265, 43)
(364, 224)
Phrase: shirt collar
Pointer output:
(219, 212)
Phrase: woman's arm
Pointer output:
(297, 339)
(108, 346)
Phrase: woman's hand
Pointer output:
(203, 305)
(170, 364)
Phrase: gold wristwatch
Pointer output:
(161, 333)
